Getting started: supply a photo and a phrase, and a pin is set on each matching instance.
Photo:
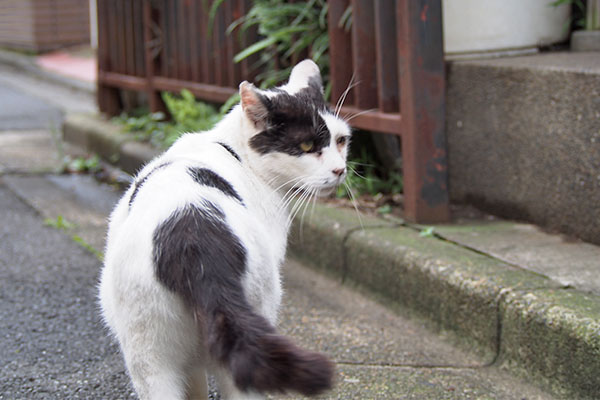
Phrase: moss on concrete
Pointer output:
(554, 336)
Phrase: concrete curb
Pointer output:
(27, 64)
(519, 319)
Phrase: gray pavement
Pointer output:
(54, 345)
(20, 111)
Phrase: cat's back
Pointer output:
(207, 174)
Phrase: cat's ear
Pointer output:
(253, 105)
(306, 74)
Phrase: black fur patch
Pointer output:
(138, 183)
(207, 177)
(231, 151)
(292, 120)
(197, 256)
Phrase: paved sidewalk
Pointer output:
(55, 347)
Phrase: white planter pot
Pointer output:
(491, 26)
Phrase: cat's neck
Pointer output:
(235, 130)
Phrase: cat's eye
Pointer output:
(307, 146)
(341, 141)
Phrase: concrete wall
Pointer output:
(524, 139)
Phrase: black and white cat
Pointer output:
(191, 281)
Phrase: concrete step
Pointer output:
(524, 139)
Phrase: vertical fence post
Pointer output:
(106, 96)
(154, 99)
(422, 106)
(340, 51)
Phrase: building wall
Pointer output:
(42, 25)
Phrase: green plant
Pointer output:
(81, 164)
(59, 223)
(365, 177)
(290, 32)
(62, 224)
(578, 18)
(427, 232)
(80, 241)
(187, 115)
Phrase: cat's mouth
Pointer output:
(318, 190)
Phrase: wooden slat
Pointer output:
(363, 40)
(154, 98)
(171, 12)
(103, 42)
(340, 52)
(206, 62)
(122, 81)
(121, 32)
(140, 68)
(372, 120)
(183, 40)
(129, 37)
(211, 93)
(220, 62)
(387, 56)
(194, 41)
(248, 65)
(112, 36)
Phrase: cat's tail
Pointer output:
(259, 358)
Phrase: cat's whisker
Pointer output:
(342, 99)
(311, 197)
(315, 199)
(359, 163)
(296, 179)
(354, 203)
(290, 198)
(298, 209)
(291, 194)
(358, 114)
(355, 172)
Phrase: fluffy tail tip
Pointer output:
(276, 364)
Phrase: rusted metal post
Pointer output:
(422, 106)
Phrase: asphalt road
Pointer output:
(53, 342)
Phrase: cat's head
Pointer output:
(295, 140)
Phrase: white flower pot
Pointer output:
(477, 27)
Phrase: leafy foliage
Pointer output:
(578, 18)
(188, 115)
(81, 164)
(366, 178)
(290, 32)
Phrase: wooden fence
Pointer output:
(394, 50)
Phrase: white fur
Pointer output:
(161, 341)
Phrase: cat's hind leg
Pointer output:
(229, 391)
(197, 384)
(159, 341)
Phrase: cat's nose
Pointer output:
(339, 171)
